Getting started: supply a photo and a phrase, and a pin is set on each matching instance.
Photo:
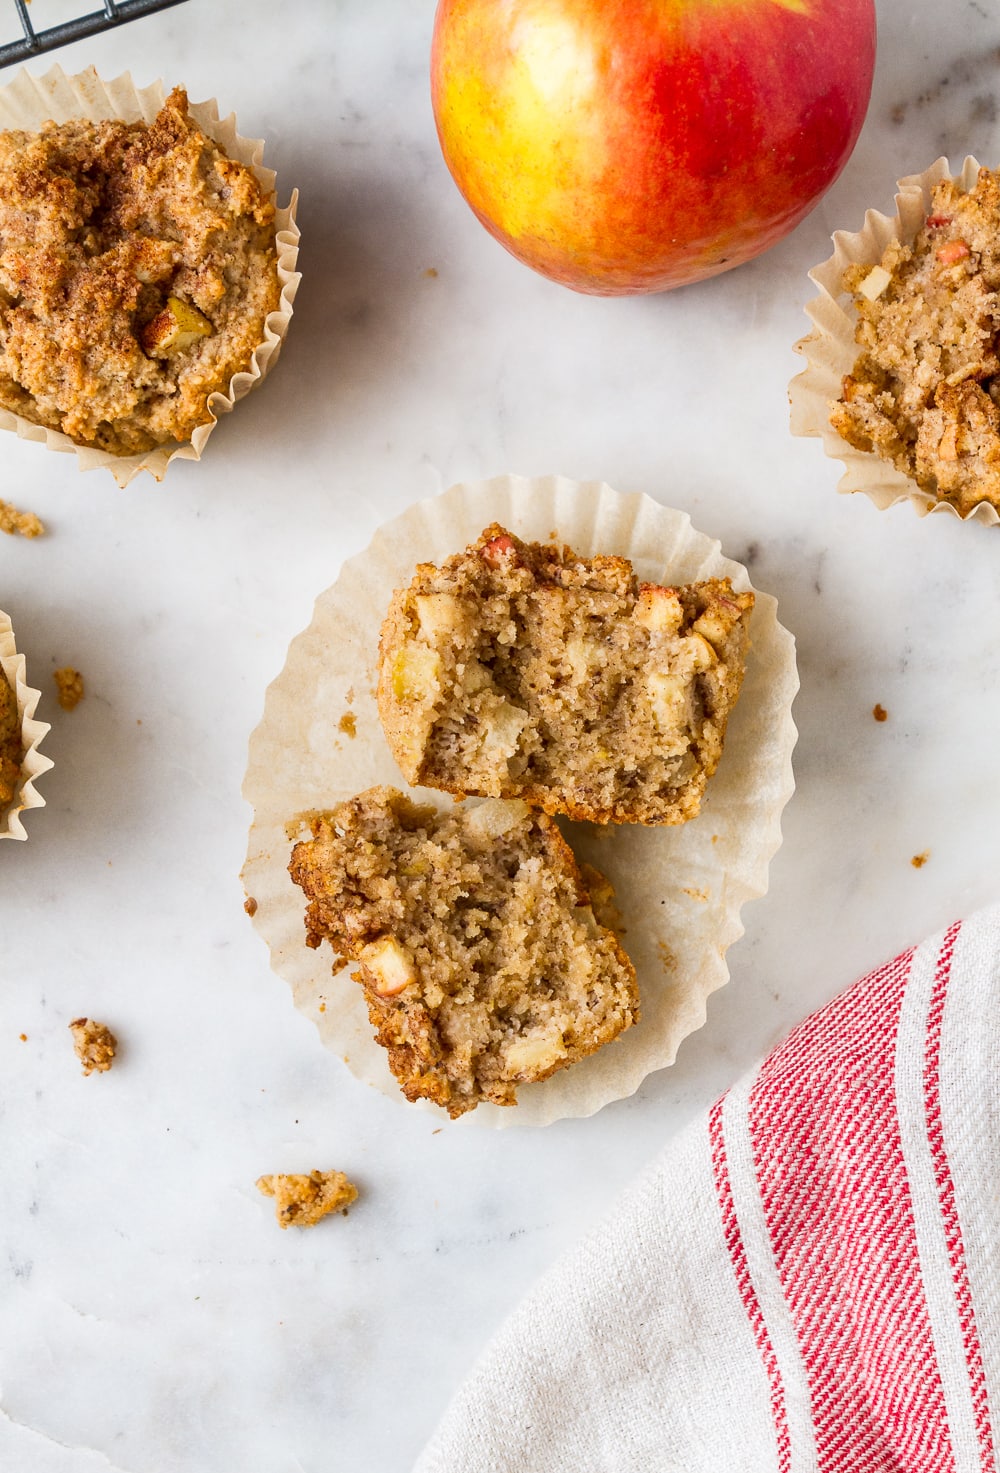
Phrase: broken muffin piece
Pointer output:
(520, 670)
(17, 523)
(137, 269)
(482, 962)
(924, 392)
(69, 687)
(95, 1045)
(301, 1201)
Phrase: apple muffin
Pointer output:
(925, 389)
(137, 268)
(483, 964)
(11, 744)
(520, 670)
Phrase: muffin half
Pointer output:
(520, 670)
(483, 964)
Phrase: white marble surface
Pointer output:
(152, 1317)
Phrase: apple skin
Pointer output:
(623, 146)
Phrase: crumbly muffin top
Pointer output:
(137, 268)
(925, 390)
(11, 745)
(522, 670)
(483, 963)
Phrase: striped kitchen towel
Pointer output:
(806, 1279)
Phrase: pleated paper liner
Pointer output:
(680, 890)
(34, 763)
(27, 103)
(830, 350)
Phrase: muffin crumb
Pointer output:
(301, 1201)
(18, 523)
(919, 860)
(250, 906)
(69, 686)
(880, 713)
(94, 1043)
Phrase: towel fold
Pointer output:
(807, 1280)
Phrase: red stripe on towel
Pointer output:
(827, 1150)
(949, 1209)
(744, 1284)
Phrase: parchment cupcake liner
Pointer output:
(34, 763)
(28, 102)
(831, 351)
(680, 890)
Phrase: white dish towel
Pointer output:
(807, 1280)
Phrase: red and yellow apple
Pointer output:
(625, 146)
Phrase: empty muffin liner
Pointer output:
(680, 890)
(34, 763)
(830, 349)
(27, 103)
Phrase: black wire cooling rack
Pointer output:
(113, 13)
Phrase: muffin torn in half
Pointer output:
(925, 389)
(483, 964)
(520, 670)
(138, 266)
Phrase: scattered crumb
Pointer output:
(19, 523)
(431, 271)
(300, 1201)
(250, 906)
(667, 959)
(23, 1037)
(322, 1007)
(348, 724)
(436, 1132)
(95, 1044)
(349, 695)
(880, 713)
(69, 683)
(696, 894)
(919, 860)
